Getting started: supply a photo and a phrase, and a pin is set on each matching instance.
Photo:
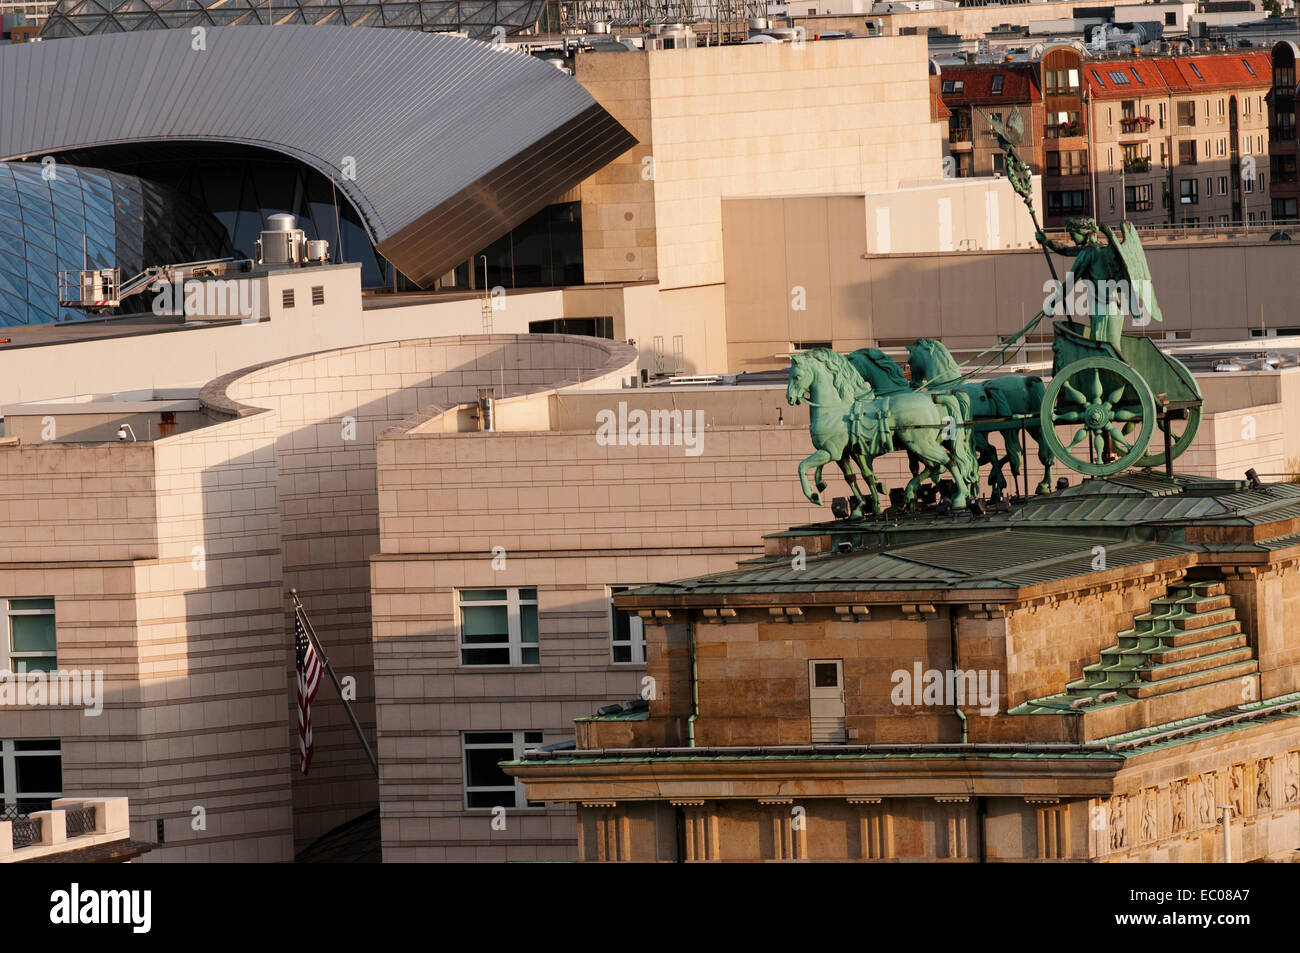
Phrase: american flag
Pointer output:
(309, 667)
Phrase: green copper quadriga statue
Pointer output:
(849, 424)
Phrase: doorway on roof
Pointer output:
(826, 700)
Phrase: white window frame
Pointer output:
(514, 624)
(9, 755)
(7, 613)
(517, 747)
(635, 629)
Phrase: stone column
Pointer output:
(875, 829)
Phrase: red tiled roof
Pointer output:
(1019, 84)
(1165, 75)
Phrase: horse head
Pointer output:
(879, 370)
(931, 361)
(801, 378)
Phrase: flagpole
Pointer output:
(315, 641)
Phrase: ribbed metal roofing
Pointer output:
(453, 141)
(1134, 519)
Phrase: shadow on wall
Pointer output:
(322, 414)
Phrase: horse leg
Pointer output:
(937, 458)
(846, 467)
(864, 464)
(818, 458)
(1045, 458)
(987, 455)
(1015, 453)
(817, 478)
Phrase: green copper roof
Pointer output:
(1137, 518)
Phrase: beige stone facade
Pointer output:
(768, 119)
(726, 761)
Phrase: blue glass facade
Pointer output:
(124, 222)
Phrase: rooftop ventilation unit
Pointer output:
(280, 243)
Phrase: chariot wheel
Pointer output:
(1184, 432)
(1101, 397)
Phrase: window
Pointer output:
(1248, 184)
(498, 627)
(317, 294)
(1223, 185)
(1249, 69)
(1197, 74)
(1137, 198)
(1062, 81)
(1097, 76)
(626, 632)
(995, 84)
(1188, 191)
(1187, 152)
(29, 639)
(1162, 115)
(953, 85)
(999, 162)
(1164, 194)
(1136, 77)
(1067, 202)
(1127, 109)
(1284, 209)
(1069, 162)
(1223, 147)
(1245, 100)
(1284, 168)
(1171, 19)
(1112, 196)
(1117, 77)
(486, 785)
(1187, 114)
(1221, 107)
(286, 297)
(31, 774)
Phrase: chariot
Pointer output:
(1118, 399)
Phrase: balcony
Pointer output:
(1130, 125)
(1138, 164)
(1064, 130)
(72, 830)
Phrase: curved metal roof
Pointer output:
(479, 19)
(452, 142)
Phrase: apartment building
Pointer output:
(978, 94)
(1181, 140)
(1282, 133)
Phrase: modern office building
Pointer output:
(56, 217)
(448, 143)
